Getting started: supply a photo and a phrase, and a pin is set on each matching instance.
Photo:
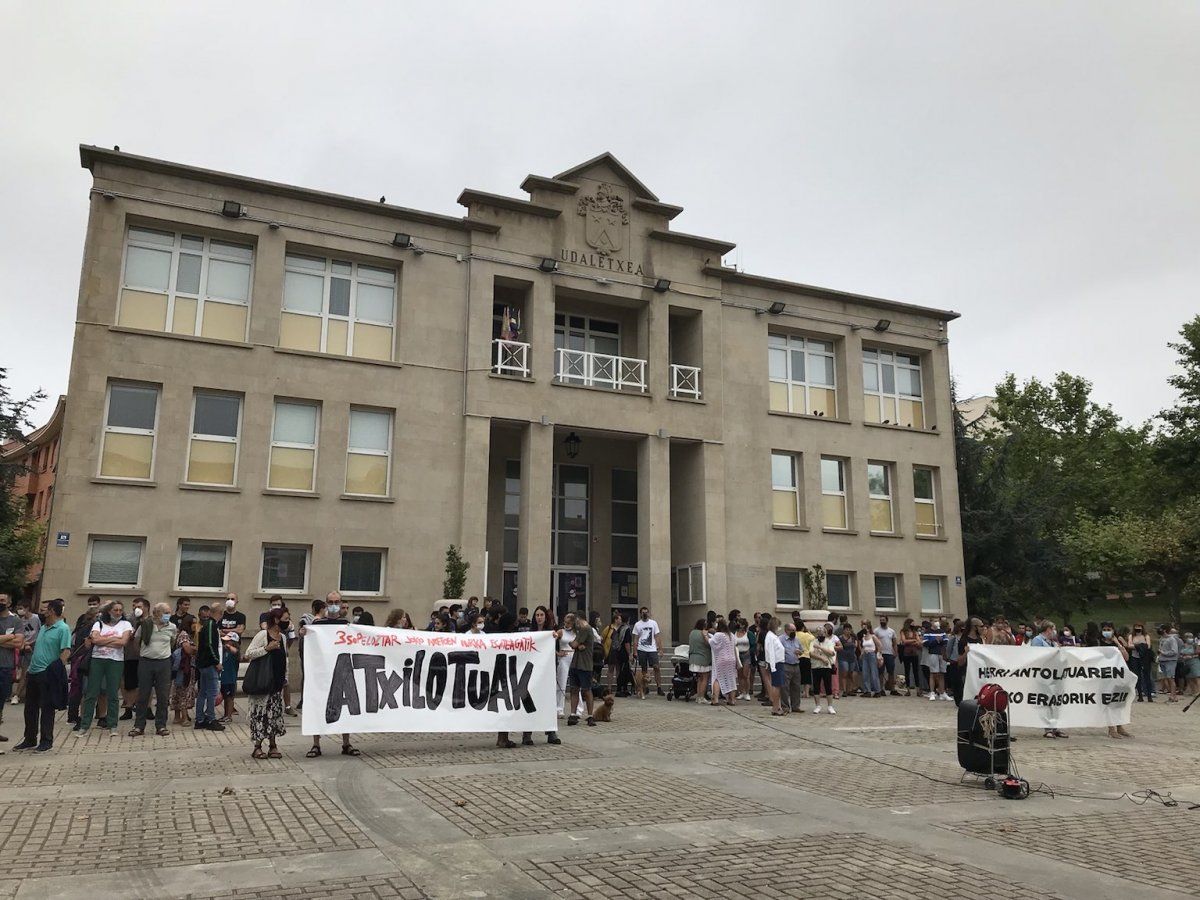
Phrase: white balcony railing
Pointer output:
(685, 381)
(621, 373)
(510, 358)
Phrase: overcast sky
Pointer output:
(1031, 165)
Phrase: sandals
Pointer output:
(347, 750)
(258, 753)
(274, 754)
(162, 732)
(313, 752)
(137, 732)
(507, 745)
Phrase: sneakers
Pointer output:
(288, 711)
(24, 745)
(572, 719)
(944, 696)
(591, 721)
(660, 692)
(932, 695)
(215, 726)
(43, 748)
(831, 710)
(127, 715)
(817, 711)
(553, 738)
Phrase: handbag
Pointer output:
(259, 678)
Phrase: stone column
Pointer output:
(537, 495)
(473, 501)
(714, 527)
(654, 530)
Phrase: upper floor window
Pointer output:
(803, 375)
(879, 487)
(833, 493)
(130, 426)
(186, 284)
(785, 494)
(892, 388)
(368, 452)
(213, 448)
(294, 446)
(925, 501)
(336, 306)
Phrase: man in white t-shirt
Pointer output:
(887, 649)
(648, 636)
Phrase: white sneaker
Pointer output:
(933, 696)
(831, 710)
(945, 697)
(817, 710)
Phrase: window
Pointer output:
(802, 375)
(186, 284)
(879, 487)
(787, 587)
(925, 501)
(837, 589)
(690, 587)
(115, 562)
(624, 539)
(362, 571)
(512, 510)
(202, 566)
(892, 388)
(571, 516)
(931, 593)
(785, 494)
(284, 569)
(213, 449)
(336, 306)
(369, 453)
(885, 592)
(293, 446)
(833, 493)
(130, 420)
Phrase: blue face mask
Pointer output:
(165, 618)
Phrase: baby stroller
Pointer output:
(683, 682)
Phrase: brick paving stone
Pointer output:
(105, 769)
(847, 778)
(850, 866)
(133, 830)
(655, 714)
(563, 800)
(1152, 845)
(455, 755)
(719, 742)
(1125, 766)
(373, 887)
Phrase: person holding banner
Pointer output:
(1106, 637)
(331, 615)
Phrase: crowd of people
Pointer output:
(154, 660)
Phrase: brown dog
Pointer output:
(639, 682)
(603, 712)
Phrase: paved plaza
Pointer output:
(668, 800)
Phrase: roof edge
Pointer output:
(795, 287)
(643, 191)
(692, 240)
(470, 195)
(43, 433)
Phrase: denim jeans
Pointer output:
(208, 682)
(870, 674)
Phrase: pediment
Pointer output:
(607, 169)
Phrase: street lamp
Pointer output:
(572, 443)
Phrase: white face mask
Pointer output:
(230, 604)
(137, 613)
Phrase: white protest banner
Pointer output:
(1055, 687)
(361, 679)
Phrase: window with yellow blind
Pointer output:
(802, 375)
(892, 388)
(339, 307)
(213, 446)
(785, 494)
(879, 490)
(833, 493)
(925, 501)
(369, 452)
(130, 427)
(294, 446)
(186, 284)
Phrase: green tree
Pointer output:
(1177, 445)
(20, 536)
(456, 574)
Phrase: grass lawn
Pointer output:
(1126, 612)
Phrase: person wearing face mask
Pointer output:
(133, 651)
(1189, 664)
(1168, 662)
(823, 653)
(1141, 661)
(30, 624)
(937, 648)
(1105, 636)
(1048, 637)
(331, 615)
(232, 627)
(108, 639)
(276, 602)
(156, 635)
(207, 661)
(1067, 638)
(266, 710)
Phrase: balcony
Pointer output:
(618, 373)
(510, 358)
(685, 381)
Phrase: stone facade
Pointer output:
(535, 347)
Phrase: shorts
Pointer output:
(1167, 667)
(847, 664)
(805, 670)
(889, 664)
(937, 665)
(700, 670)
(580, 678)
(778, 676)
(647, 658)
(130, 675)
(616, 657)
(228, 690)
(744, 658)
(823, 678)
